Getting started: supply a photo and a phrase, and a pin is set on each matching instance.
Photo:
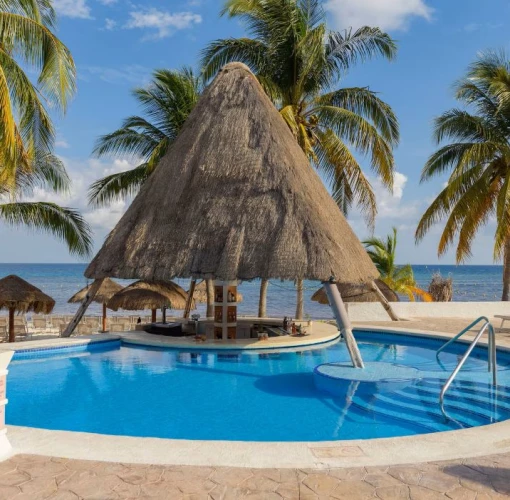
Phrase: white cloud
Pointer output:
(385, 14)
(62, 144)
(165, 23)
(130, 74)
(107, 2)
(72, 8)
(83, 174)
(110, 24)
(389, 204)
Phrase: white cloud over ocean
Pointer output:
(389, 15)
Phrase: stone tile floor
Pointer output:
(36, 477)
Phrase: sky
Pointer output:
(116, 45)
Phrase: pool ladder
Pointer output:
(492, 366)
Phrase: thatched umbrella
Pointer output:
(150, 295)
(105, 292)
(200, 293)
(235, 198)
(17, 295)
(357, 292)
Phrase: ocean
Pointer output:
(61, 281)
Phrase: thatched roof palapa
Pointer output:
(357, 292)
(234, 198)
(106, 291)
(200, 293)
(143, 295)
(18, 294)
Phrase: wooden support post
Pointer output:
(189, 302)
(263, 298)
(382, 299)
(343, 322)
(83, 307)
(104, 318)
(299, 301)
(12, 335)
(209, 288)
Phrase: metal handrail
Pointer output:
(475, 322)
(492, 365)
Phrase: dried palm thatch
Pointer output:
(200, 293)
(18, 294)
(441, 289)
(143, 295)
(106, 291)
(234, 198)
(354, 292)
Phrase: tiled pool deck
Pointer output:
(33, 477)
(481, 478)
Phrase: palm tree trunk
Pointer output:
(210, 298)
(104, 318)
(299, 300)
(189, 301)
(382, 299)
(506, 273)
(263, 298)
(83, 308)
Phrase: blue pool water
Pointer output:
(126, 390)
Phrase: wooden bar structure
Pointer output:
(225, 310)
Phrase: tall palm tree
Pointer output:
(399, 278)
(477, 159)
(166, 103)
(48, 172)
(300, 63)
(27, 41)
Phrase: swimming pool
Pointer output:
(249, 396)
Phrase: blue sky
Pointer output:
(118, 43)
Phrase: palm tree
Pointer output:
(46, 171)
(299, 62)
(477, 159)
(166, 103)
(399, 278)
(27, 41)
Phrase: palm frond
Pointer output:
(64, 223)
(118, 186)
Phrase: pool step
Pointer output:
(483, 399)
(396, 411)
(467, 404)
(478, 414)
(398, 415)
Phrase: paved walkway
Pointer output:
(33, 477)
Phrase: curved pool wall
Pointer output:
(112, 388)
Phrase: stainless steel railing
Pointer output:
(491, 363)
